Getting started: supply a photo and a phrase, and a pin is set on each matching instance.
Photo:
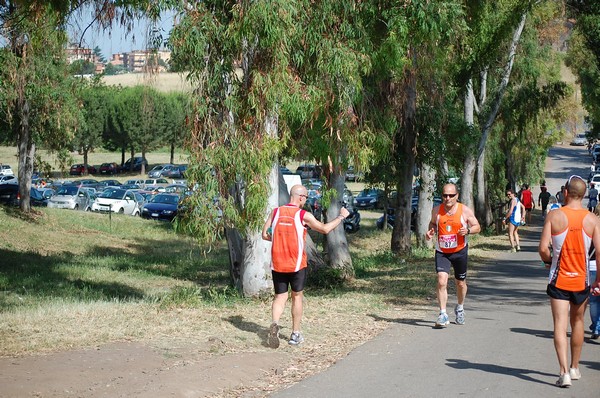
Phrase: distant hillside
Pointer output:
(164, 82)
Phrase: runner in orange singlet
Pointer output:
(571, 230)
(452, 222)
(286, 229)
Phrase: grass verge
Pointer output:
(71, 280)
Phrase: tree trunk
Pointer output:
(85, 160)
(337, 244)
(143, 170)
(26, 148)
(132, 154)
(406, 141)
(425, 207)
(471, 160)
(123, 151)
(466, 181)
(483, 212)
(172, 158)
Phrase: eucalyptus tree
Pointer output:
(39, 107)
(495, 48)
(584, 56)
(238, 57)
(491, 48)
(412, 42)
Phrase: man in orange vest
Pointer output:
(451, 222)
(571, 230)
(286, 229)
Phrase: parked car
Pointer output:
(155, 182)
(73, 197)
(130, 186)
(118, 200)
(176, 188)
(369, 199)
(101, 185)
(109, 168)
(137, 162)
(79, 169)
(284, 170)
(161, 207)
(177, 171)
(353, 175)
(9, 194)
(157, 171)
(8, 179)
(309, 171)
(37, 197)
(6, 170)
(413, 214)
(139, 182)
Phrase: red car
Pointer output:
(79, 169)
(109, 168)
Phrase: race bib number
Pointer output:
(448, 241)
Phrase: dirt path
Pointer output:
(134, 370)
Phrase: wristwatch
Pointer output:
(468, 230)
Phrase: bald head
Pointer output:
(298, 190)
(576, 187)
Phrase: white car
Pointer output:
(8, 179)
(118, 200)
(5, 170)
(595, 181)
(579, 140)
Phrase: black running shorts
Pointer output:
(458, 261)
(281, 281)
(573, 297)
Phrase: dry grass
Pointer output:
(70, 280)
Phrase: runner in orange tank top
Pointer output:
(451, 222)
(571, 230)
(286, 229)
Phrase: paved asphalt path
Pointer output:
(504, 349)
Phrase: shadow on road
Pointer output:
(491, 368)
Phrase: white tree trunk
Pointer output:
(255, 271)
(425, 205)
(466, 180)
(471, 161)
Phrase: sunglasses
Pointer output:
(448, 195)
(303, 196)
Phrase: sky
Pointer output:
(114, 41)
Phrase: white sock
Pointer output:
(459, 307)
(443, 311)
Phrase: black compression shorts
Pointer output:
(281, 281)
(457, 260)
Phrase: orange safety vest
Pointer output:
(288, 238)
(448, 239)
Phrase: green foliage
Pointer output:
(111, 69)
(82, 67)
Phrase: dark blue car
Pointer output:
(162, 207)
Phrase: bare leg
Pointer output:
(560, 315)
(511, 232)
(296, 310)
(442, 289)
(577, 315)
(461, 290)
(516, 237)
(278, 306)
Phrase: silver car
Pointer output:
(72, 197)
